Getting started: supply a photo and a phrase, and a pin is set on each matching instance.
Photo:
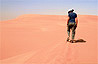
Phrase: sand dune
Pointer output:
(41, 39)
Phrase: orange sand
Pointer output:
(41, 39)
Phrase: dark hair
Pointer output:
(71, 11)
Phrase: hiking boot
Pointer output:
(72, 41)
(68, 39)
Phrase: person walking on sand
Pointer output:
(72, 22)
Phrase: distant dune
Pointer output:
(41, 39)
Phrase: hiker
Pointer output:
(72, 22)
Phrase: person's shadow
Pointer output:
(79, 41)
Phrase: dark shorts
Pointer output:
(71, 26)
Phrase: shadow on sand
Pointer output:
(79, 41)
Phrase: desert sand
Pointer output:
(41, 39)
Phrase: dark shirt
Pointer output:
(72, 17)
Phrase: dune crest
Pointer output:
(41, 39)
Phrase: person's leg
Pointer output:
(73, 32)
(68, 31)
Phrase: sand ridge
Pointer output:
(41, 39)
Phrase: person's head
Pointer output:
(70, 10)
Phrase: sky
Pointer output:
(10, 9)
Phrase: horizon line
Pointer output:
(44, 14)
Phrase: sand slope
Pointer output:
(41, 39)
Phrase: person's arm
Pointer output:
(76, 19)
(67, 20)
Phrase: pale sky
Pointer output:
(10, 9)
